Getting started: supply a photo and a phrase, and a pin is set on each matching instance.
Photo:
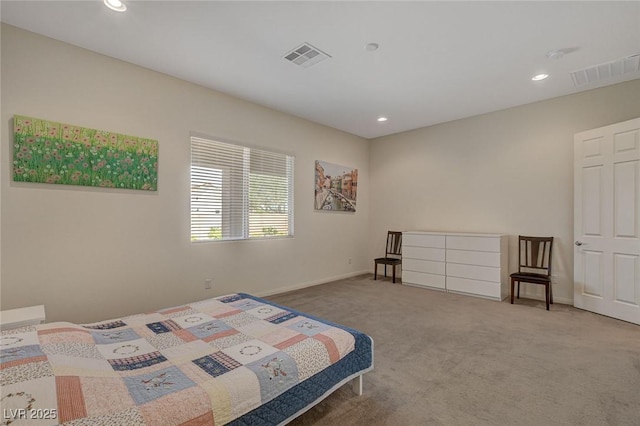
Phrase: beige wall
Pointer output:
(90, 254)
(507, 172)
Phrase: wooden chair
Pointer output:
(534, 264)
(392, 255)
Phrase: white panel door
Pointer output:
(607, 221)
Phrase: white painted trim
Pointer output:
(308, 284)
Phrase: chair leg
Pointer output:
(518, 289)
(394, 274)
(546, 294)
(385, 270)
(375, 271)
(513, 282)
(551, 293)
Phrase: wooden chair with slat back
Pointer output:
(534, 265)
(392, 256)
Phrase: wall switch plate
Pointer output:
(207, 283)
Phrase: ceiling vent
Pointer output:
(598, 73)
(306, 55)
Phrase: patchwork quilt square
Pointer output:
(64, 335)
(257, 329)
(308, 326)
(343, 341)
(106, 325)
(228, 340)
(209, 328)
(187, 407)
(276, 373)
(217, 363)
(246, 304)
(137, 362)
(73, 349)
(265, 311)
(243, 388)
(309, 365)
(137, 320)
(128, 349)
(18, 339)
(281, 317)
(220, 400)
(163, 326)
(114, 335)
(239, 319)
(24, 372)
(280, 335)
(148, 387)
(230, 298)
(13, 355)
(250, 351)
(186, 352)
(163, 340)
(220, 310)
(65, 365)
(105, 395)
(35, 394)
(193, 319)
(177, 311)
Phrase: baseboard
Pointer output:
(523, 293)
(280, 290)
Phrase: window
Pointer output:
(238, 192)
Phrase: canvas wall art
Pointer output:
(49, 152)
(336, 187)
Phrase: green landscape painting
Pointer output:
(48, 152)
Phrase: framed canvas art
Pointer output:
(49, 152)
(336, 187)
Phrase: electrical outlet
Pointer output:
(207, 283)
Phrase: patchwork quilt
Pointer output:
(233, 359)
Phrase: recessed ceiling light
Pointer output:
(116, 5)
(539, 77)
(382, 119)
(372, 46)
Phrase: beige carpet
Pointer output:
(446, 359)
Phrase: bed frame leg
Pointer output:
(357, 385)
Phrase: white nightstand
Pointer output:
(14, 318)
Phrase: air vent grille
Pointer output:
(306, 55)
(597, 73)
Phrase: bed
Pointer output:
(235, 359)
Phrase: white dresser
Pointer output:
(474, 264)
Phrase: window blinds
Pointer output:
(239, 192)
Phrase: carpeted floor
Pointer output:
(447, 359)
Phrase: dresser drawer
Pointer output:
(428, 266)
(422, 279)
(423, 240)
(482, 273)
(481, 258)
(480, 288)
(473, 243)
(426, 253)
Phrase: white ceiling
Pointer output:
(437, 61)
